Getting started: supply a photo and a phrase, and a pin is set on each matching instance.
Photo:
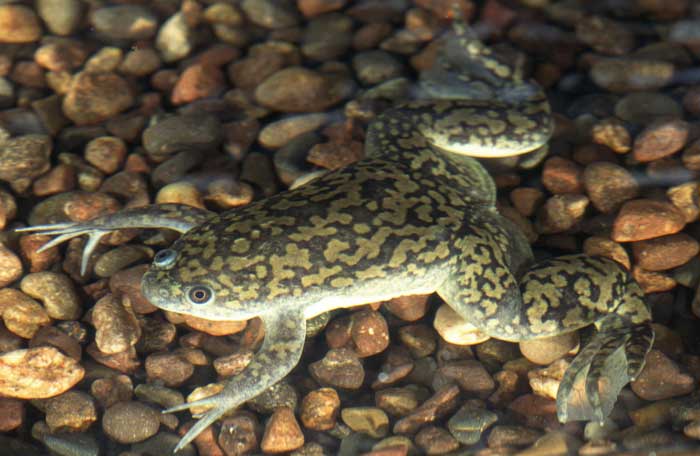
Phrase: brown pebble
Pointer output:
(470, 375)
(10, 266)
(18, 24)
(560, 175)
(643, 219)
(170, 368)
(128, 282)
(21, 314)
(435, 440)
(106, 153)
(282, 432)
(512, 436)
(547, 350)
(609, 185)
(12, 414)
(37, 373)
(130, 422)
(56, 291)
(109, 391)
(239, 434)
(662, 378)
(686, 198)
(116, 327)
(665, 252)
(215, 328)
(611, 132)
(196, 82)
(319, 409)
(653, 282)
(72, 411)
(561, 213)
(369, 332)
(598, 245)
(408, 308)
(440, 404)
(335, 155)
(526, 200)
(340, 368)
(96, 97)
(660, 139)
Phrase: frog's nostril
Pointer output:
(164, 258)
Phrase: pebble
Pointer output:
(402, 400)
(10, 266)
(554, 442)
(632, 75)
(271, 14)
(372, 421)
(526, 200)
(62, 17)
(598, 245)
(561, 213)
(23, 159)
(37, 373)
(72, 411)
(419, 339)
(685, 197)
(279, 133)
(469, 423)
(470, 375)
(545, 381)
(654, 415)
(162, 443)
(21, 314)
(56, 291)
(665, 252)
(62, 54)
(408, 308)
(197, 82)
(109, 391)
(435, 440)
(662, 378)
(369, 332)
(605, 35)
(175, 40)
(340, 368)
(116, 327)
(504, 436)
(327, 37)
(130, 422)
(311, 8)
(281, 394)
(376, 66)
(299, 89)
(611, 132)
(282, 432)
(547, 350)
(124, 22)
(319, 409)
(95, 97)
(645, 107)
(456, 330)
(18, 24)
(560, 175)
(336, 154)
(175, 133)
(248, 72)
(660, 139)
(12, 414)
(106, 153)
(68, 444)
(239, 434)
(685, 32)
(440, 404)
(169, 368)
(128, 283)
(609, 185)
(642, 219)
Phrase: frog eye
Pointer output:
(200, 294)
(164, 258)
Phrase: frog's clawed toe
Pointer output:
(209, 417)
(613, 357)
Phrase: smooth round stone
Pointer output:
(130, 422)
(469, 423)
(628, 75)
(124, 22)
(645, 107)
(182, 132)
(62, 17)
(175, 39)
(18, 24)
(327, 37)
(550, 349)
(96, 97)
(272, 14)
(373, 67)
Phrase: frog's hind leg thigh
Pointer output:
(177, 217)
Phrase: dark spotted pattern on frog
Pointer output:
(416, 216)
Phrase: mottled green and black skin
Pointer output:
(417, 215)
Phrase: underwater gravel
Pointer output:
(216, 104)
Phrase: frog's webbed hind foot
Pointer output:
(614, 356)
(176, 217)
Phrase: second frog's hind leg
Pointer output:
(554, 297)
(177, 217)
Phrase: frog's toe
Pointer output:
(636, 348)
(211, 401)
(204, 422)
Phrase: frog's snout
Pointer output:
(160, 290)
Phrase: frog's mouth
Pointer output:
(161, 290)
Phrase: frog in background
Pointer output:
(416, 216)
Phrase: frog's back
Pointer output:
(364, 233)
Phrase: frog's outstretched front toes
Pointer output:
(66, 232)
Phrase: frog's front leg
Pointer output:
(285, 333)
(553, 297)
(177, 217)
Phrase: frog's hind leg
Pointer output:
(177, 217)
